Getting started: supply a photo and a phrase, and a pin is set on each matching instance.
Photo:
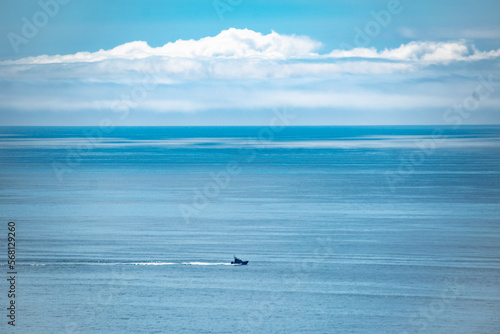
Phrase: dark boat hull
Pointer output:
(243, 263)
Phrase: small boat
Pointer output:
(239, 261)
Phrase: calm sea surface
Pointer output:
(347, 229)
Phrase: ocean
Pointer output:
(346, 229)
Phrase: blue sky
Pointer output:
(236, 62)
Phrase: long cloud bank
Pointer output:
(247, 44)
(241, 68)
(240, 54)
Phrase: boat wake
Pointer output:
(181, 263)
(207, 263)
(153, 263)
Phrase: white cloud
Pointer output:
(201, 98)
(175, 70)
(240, 53)
(243, 69)
(424, 53)
(232, 43)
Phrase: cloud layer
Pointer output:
(242, 53)
(232, 43)
(244, 69)
(425, 53)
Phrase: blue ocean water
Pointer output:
(347, 229)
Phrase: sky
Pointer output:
(239, 62)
